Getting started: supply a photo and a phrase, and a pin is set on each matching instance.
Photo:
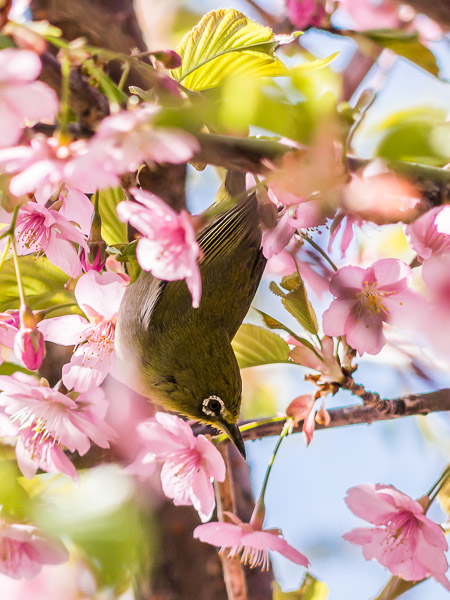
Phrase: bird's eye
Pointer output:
(213, 406)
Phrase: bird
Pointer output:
(181, 357)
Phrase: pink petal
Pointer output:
(11, 126)
(262, 539)
(78, 208)
(226, 535)
(306, 357)
(335, 317)
(212, 460)
(62, 254)
(348, 281)
(67, 330)
(365, 333)
(18, 65)
(430, 556)
(33, 101)
(179, 428)
(202, 495)
(391, 274)
(102, 292)
(85, 370)
(364, 501)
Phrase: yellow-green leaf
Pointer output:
(226, 42)
(113, 230)
(255, 346)
(311, 589)
(43, 284)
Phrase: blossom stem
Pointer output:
(436, 487)
(65, 95)
(284, 432)
(307, 238)
(17, 269)
(126, 66)
(5, 253)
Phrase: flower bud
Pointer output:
(96, 259)
(29, 347)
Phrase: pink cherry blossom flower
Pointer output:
(321, 359)
(47, 164)
(190, 463)
(305, 13)
(436, 276)
(24, 550)
(168, 247)
(370, 14)
(367, 298)
(47, 421)
(429, 235)
(99, 296)
(76, 206)
(129, 138)
(248, 540)
(21, 97)
(42, 230)
(404, 540)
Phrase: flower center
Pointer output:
(32, 232)
(372, 299)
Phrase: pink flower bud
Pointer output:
(96, 259)
(29, 347)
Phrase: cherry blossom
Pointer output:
(99, 296)
(304, 13)
(21, 97)
(168, 247)
(429, 234)
(75, 206)
(404, 540)
(43, 230)
(24, 550)
(366, 298)
(47, 421)
(189, 463)
(370, 14)
(436, 276)
(29, 347)
(248, 540)
(322, 360)
(128, 138)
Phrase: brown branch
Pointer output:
(413, 404)
(233, 571)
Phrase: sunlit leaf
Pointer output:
(311, 589)
(296, 301)
(273, 323)
(312, 65)
(444, 498)
(405, 44)
(226, 42)
(113, 230)
(255, 346)
(43, 284)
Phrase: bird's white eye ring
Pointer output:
(213, 406)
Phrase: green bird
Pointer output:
(179, 356)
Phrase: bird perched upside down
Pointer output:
(181, 356)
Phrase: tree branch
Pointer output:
(413, 404)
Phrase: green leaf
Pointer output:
(273, 323)
(312, 65)
(113, 230)
(414, 135)
(43, 284)
(226, 42)
(405, 44)
(296, 301)
(255, 346)
(311, 589)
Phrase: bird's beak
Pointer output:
(235, 436)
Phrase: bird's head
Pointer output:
(204, 385)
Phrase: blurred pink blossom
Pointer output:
(24, 550)
(370, 14)
(168, 247)
(347, 230)
(21, 97)
(42, 230)
(129, 138)
(99, 296)
(189, 462)
(436, 276)
(9, 326)
(404, 540)
(47, 164)
(429, 235)
(48, 421)
(305, 13)
(365, 298)
(248, 540)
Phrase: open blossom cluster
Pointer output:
(52, 181)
